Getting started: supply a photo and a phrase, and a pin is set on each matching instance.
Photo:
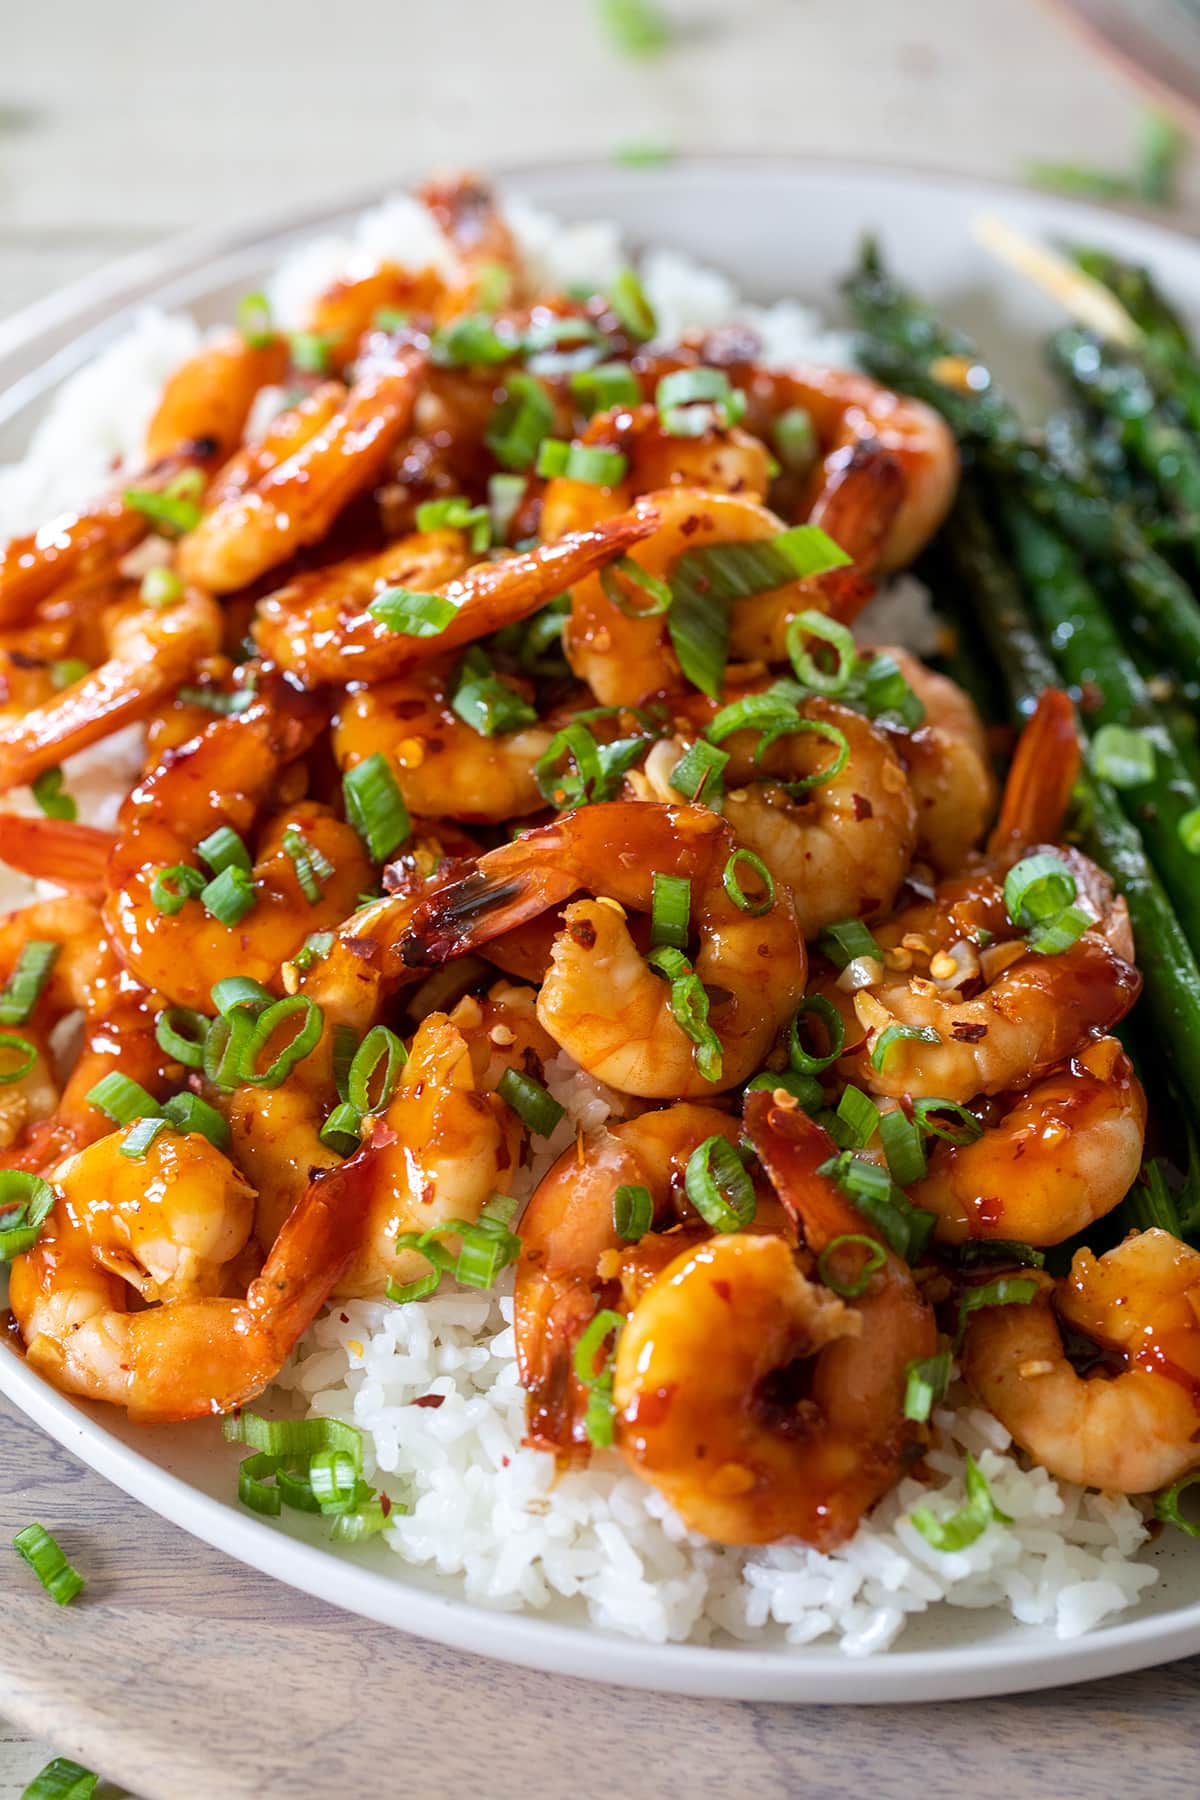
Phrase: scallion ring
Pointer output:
(718, 1186)
(858, 1285)
(744, 902)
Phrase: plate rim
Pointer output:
(92, 305)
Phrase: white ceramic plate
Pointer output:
(785, 228)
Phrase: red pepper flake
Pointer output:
(862, 807)
(966, 1033)
(433, 1400)
(344, 1317)
(385, 1504)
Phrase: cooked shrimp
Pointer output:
(949, 769)
(1060, 1155)
(712, 1407)
(152, 649)
(195, 1355)
(198, 423)
(842, 846)
(319, 628)
(295, 502)
(443, 765)
(571, 1251)
(1127, 1432)
(600, 1000)
(465, 208)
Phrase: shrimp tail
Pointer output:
(1045, 768)
(863, 487)
(793, 1149)
(60, 850)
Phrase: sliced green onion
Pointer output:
(698, 774)
(520, 422)
(229, 896)
(486, 1247)
(255, 1489)
(925, 1382)
(1166, 1505)
(803, 1061)
(345, 1048)
(333, 1479)
(223, 1047)
(174, 887)
(744, 902)
(931, 1115)
(689, 401)
(505, 494)
(253, 317)
(969, 1522)
(847, 941)
(26, 1053)
(375, 1070)
(25, 1203)
(224, 849)
(140, 1136)
(604, 387)
(470, 340)
(294, 1007)
(312, 866)
(593, 771)
(1060, 932)
(342, 1130)
(689, 1008)
(624, 571)
(175, 508)
(314, 949)
(188, 1113)
(67, 671)
(160, 587)
(1006, 1290)
(1037, 889)
(375, 806)
(485, 701)
(859, 1117)
(46, 1559)
(795, 440)
(670, 910)
(880, 689)
(310, 351)
(719, 1187)
(47, 790)
(633, 1211)
(121, 1099)
(30, 973)
(851, 1290)
(293, 1440)
(457, 514)
(239, 990)
(226, 706)
(536, 1108)
(902, 1146)
(598, 1422)
(412, 614)
(805, 1090)
(635, 27)
(62, 1779)
(589, 463)
(827, 631)
(896, 1034)
(1122, 756)
(905, 1227)
(420, 1289)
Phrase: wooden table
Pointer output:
(188, 1674)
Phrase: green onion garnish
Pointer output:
(1189, 831)
(925, 1382)
(239, 990)
(689, 1008)
(30, 973)
(719, 1187)
(139, 1137)
(121, 1099)
(470, 340)
(375, 1071)
(160, 587)
(62, 1779)
(805, 1090)
(689, 401)
(295, 1007)
(1166, 1505)
(310, 351)
(375, 806)
(847, 941)
(906, 1227)
(1037, 889)
(670, 910)
(537, 1109)
(227, 1039)
(592, 771)
(604, 387)
(858, 1118)
(590, 463)
(933, 1117)
(896, 1034)
(795, 440)
(969, 1522)
(1006, 1290)
(229, 896)
(598, 1421)
(224, 849)
(187, 1112)
(486, 1247)
(755, 905)
(698, 774)
(505, 494)
(879, 688)
(48, 1563)
(1060, 932)
(633, 1211)
(1122, 756)
(411, 614)
(902, 1146)
(253, 318)
(67, 671)
(485, 701)
(457, 514)
(635, 27)
(25, 1052)
(826, 631)
(624, 573)
(175, 508)
(342, 1130)
(627, 297)
(520, 422)
(174, 887)
(858, 1285)
(25, 1202)
(804, 1061)
(47, 790)
(312, 866)
(314, 949)
(213, 700)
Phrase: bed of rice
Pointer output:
(483, 1508)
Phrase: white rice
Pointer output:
(484, 1509)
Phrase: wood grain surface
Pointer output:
(181, 1673)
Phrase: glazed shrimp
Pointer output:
(319, 628)
(295, 502)
(443, 765)
(843, 846)
(600, 1000)
(1126, 1430)
(198, 422)
(1060, 1155)
(711, 1407)
(571, 1253)
(152, 649)
(200, 1353)
(949, 770)
(466, 210)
